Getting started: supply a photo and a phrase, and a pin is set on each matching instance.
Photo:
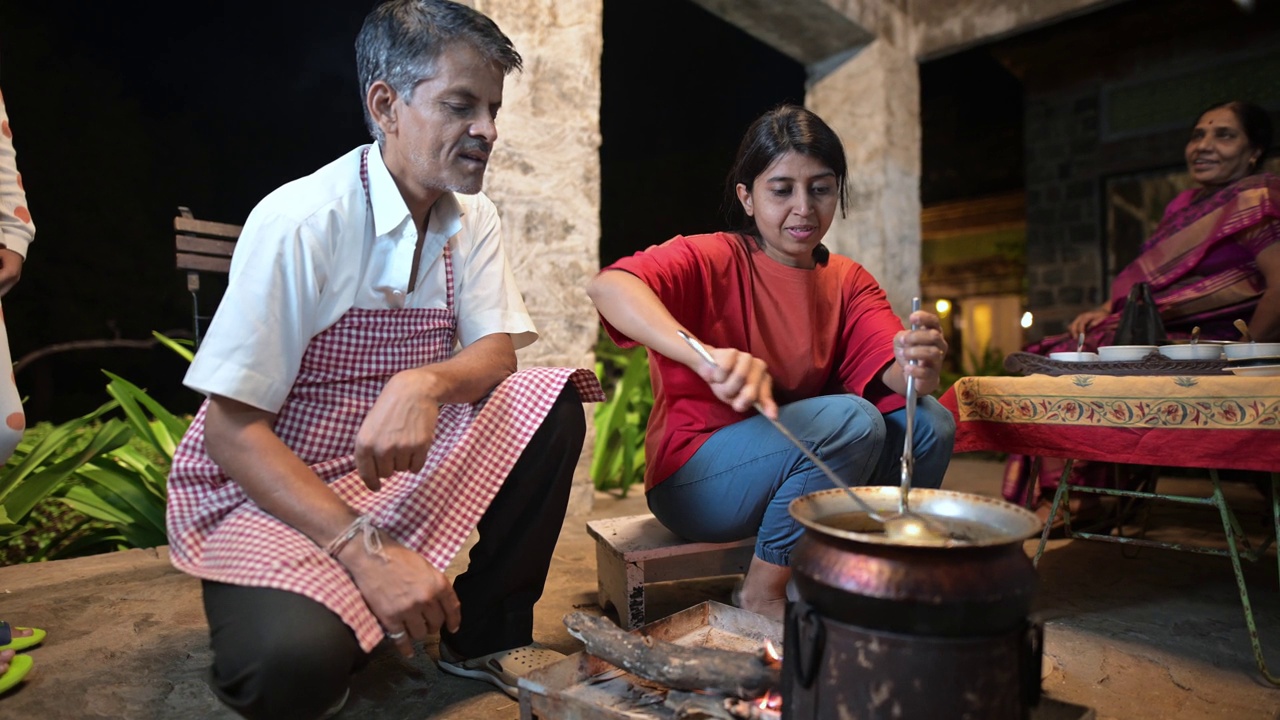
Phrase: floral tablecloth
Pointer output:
(1224, 422)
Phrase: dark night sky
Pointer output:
(124, 111)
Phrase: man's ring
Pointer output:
(396, 635)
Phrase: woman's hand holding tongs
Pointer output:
(918, 353)
(739, 379)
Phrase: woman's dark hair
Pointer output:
(1255, 121)
(786, 128)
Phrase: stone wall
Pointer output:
(545, 179)
(945, 26)
(1064, 241)
(872, 101)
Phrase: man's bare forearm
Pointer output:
(240, 439)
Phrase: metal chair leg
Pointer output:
(193, 286)
(1231, 528)
(1060, 498)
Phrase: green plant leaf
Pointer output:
(618, 459)
(182, 347)
(127, 492)
(132, 400)
(18, 503)
(84, 500)
(175, 426)
(94, 542)
(58, 442)
(150, 475)
(8, 528)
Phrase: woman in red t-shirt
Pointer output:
(807, 335)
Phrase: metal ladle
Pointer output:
(911, 527)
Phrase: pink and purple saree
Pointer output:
(1201, 265)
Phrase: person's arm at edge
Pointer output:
(1264, 326)
(634, 310)
(242, 441)
(16, 233)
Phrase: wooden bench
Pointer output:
(202, 247)
(634, 551)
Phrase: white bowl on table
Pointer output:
(1074, 356)
(1125, 353)
(1191, 352)
(1249, 350)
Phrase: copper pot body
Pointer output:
(852, 574)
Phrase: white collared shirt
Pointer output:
(310, 251)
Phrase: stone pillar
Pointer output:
(873, 102)
(545, 179)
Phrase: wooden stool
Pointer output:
(633, 551)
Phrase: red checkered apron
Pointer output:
(217, 533)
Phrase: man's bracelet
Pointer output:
(372, 541)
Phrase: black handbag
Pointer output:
(1140, 322)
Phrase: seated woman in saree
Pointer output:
(1213, 259)
(805, 335)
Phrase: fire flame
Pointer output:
(770, 701)
(772, 655)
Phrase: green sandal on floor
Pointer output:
(9, 642)
(19, 666)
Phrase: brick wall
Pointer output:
(1064, 213)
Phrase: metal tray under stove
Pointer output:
(1025, 363)
(584, 687)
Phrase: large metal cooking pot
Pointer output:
(851, 572)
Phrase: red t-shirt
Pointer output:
(822, 331)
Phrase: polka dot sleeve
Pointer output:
(16, 228)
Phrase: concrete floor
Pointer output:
(1160, 635)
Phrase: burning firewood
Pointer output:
(752, 709)
(736, 674)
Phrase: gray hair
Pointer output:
(401, 40)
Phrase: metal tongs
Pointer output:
(923, 527)
(908, 459)
(902, 526)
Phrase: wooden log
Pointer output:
(736, 674)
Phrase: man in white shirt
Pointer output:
(364, 411)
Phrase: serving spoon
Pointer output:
(1243, 327)
(908, 526)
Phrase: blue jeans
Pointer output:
(744, 476)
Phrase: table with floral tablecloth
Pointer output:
(1163, 420)
(1202, 421)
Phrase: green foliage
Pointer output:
(620, 421)
(125, 488)
(92, 484)
(184, 348)
(989, 363)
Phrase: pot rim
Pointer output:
(1010, 523)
